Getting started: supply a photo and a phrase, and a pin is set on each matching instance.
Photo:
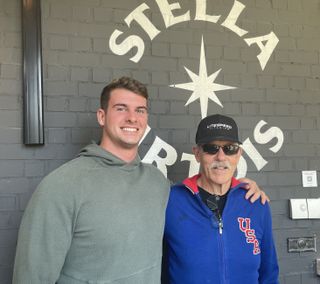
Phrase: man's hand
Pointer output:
(254, 192)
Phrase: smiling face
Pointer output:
(124, 122)
(217, 169)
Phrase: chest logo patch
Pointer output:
(245, 227)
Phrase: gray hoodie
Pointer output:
(95, 219)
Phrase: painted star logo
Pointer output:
(202, 85)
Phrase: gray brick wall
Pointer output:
(77, 63)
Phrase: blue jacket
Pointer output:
(199, 250)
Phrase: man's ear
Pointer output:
(101, 116)
(196, 152)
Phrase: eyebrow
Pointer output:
(117, 105)
(142, 107)
(125, 105)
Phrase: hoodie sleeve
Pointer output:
(45, 235)
(269, 270)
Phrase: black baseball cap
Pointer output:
(217, 127)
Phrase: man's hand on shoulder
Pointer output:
(254, 192)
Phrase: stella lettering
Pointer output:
(266, 43)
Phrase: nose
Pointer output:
(221, 155)
(131, 116)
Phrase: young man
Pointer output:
(212, 234)
(99, 218)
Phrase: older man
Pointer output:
(213, 234)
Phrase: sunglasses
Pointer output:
(213, 149)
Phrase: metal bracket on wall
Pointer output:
(302, 244)
(33, 133)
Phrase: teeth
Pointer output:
(220, 168)
(130, 129)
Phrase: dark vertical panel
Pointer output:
(32, 73)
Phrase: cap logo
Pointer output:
(219, 126)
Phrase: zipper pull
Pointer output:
(220, 226)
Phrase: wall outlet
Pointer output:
(299, 209)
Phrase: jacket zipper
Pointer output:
(220, 223)
(220, 247)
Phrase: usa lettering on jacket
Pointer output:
(245, 227)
